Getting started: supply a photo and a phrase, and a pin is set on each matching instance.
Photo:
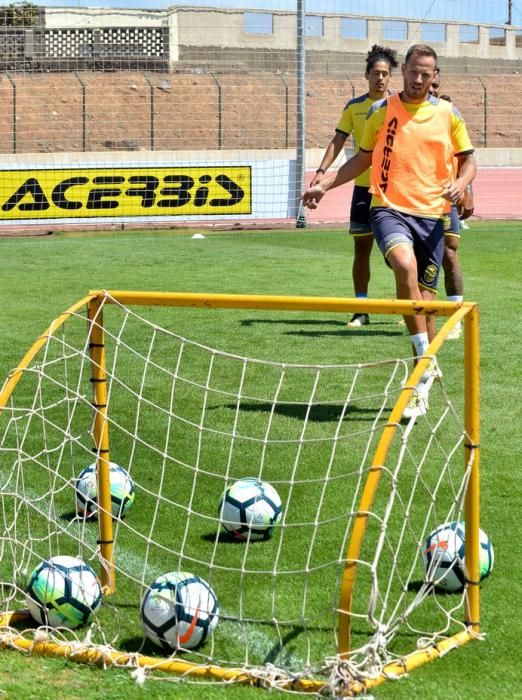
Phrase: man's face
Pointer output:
(435, 85)
(418, 76)
(378, 79)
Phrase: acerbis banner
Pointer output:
(122, 192)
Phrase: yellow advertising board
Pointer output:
(85, 193)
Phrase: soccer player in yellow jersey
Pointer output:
(453, 280)
(380, 62)
(411, 139)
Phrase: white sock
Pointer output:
(456, 297)
(420, 343)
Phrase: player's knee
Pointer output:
(402, 260)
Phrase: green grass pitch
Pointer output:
(42, 276)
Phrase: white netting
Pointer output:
(187, 421)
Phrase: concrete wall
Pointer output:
(78, 18)
(217, 35)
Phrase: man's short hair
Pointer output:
(420, 50)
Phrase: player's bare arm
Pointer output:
(332, 151)
(356, 165)
(467, 169)
(466, 205)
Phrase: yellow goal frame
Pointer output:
(467, 312)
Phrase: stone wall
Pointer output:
(136, 111)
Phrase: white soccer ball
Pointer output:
(250, 509)
(121, 485)
(178, 611)
(444, 556)
(63, 592)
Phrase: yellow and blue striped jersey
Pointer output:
(352, 122)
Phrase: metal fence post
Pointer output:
(13, 83)
(300, 117)
(84, 111)
(152, 125)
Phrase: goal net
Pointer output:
(337, 597)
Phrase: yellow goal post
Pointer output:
(467, 312)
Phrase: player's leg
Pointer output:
(401, 258)
(419, 400)
(395, 240)
(428, 236)
(414, 248)
(453, 280)
(362, 235)
(403, 262)
(362, 248)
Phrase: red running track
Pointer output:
(497, 194)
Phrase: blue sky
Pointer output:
(489, 11)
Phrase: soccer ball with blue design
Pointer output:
(250, 509)
(179, 611)
(122, 491)
(444, 556)
(63, 591)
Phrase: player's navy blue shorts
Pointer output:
(360, 211)
(425, 235)
(451, 222)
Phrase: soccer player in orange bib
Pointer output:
(410, 140)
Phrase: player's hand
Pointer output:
(312, 196)
(466, 206)
(453, 193)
